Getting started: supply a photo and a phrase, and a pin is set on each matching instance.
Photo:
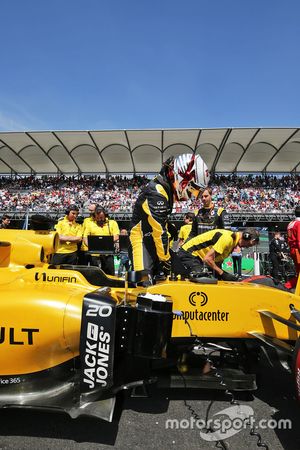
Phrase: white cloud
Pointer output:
(15, 117)
(10, 123)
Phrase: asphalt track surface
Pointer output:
(141, 423)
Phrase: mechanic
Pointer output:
(5, 221)
(181, 177)
(185, 230)
(278, 252)
(293, 237)
(212, 248)
(208, 217)
(102, 225)
(70, 234)
(83, 257)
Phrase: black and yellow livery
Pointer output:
(149, 235)
(72, 337)
(221, 240)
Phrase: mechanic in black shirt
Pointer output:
(208, 217)
(278, 252)
(180, 178)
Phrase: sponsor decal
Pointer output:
(198, 297)
(96, 347)
(210, 316)
(53, 278)
(10, 380)
(159, 208)
(13, 336)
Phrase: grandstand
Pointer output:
(45, 171)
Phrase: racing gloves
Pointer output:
(165, 267)
(229, 276)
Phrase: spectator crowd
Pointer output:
(236, 193)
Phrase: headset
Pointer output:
(100, 209)
(251, 236)
(71, 208)
(189, 215)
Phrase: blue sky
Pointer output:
(115, 64)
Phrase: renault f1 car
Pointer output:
(72, 338)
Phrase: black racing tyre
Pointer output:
(296, 367)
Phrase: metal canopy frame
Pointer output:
(225, 150)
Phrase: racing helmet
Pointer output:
(188, 175)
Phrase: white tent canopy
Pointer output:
(143, 151)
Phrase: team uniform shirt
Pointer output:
(109, 228)
(207, 219)
(222, 241)
(84, 225)
(149, 222)
(66, 228)
(185, 231)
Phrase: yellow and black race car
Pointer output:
(72, 338)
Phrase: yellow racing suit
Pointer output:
(148, 231)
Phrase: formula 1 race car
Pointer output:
(72, 338)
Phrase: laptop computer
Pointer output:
(101, 244)
(124, 243)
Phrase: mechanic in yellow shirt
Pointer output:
(185, 230)
(101, 225)
(70, 234)
(212, 247)
(84, 258)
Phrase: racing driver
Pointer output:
(181, 178)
